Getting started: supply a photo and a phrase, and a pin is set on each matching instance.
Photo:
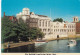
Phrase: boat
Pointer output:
(40, 42)
(72, 43)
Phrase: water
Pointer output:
(57, 46)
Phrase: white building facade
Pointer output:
(49, 28)
(63, 29)
(44, 22)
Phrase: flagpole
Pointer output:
(50, 12)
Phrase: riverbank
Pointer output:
(62, 38)
(12, 45)
(50, 47)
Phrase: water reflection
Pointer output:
(57, 41)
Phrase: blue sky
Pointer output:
(65, 9)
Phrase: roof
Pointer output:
(25, 9)
(42, 15)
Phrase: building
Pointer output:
(78, 29)
(12, 18)
(49, 28)
(77, 22)
(75, 19)
(63, 29)
(44, 23)
(34, 20)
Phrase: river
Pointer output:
(56, 46)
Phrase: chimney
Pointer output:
(4, 14)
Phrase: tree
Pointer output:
(13, 31)
(58, 19)
(7, 29)
(36, 33)
(30, 32)
(18, 31)
(23, 30)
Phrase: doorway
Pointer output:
(57, 36)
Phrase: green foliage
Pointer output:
(36, 33)
(23, 31)
(6, 28)
(58, 19)
(18, 31)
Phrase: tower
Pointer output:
(26, 11)
(75, 19)
(4, 14)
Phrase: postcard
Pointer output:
(40, 27)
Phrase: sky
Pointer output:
(65, 9)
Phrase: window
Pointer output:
(43, 23)
(58, 30)
(76, 19)
(40, 23)
(49, 23)
(46, 23)
(27, 11)
(48, 30)
(54, 30)
(68, 30)
(70, 26)
(45, 30)
(72, 30)
(62, 30)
